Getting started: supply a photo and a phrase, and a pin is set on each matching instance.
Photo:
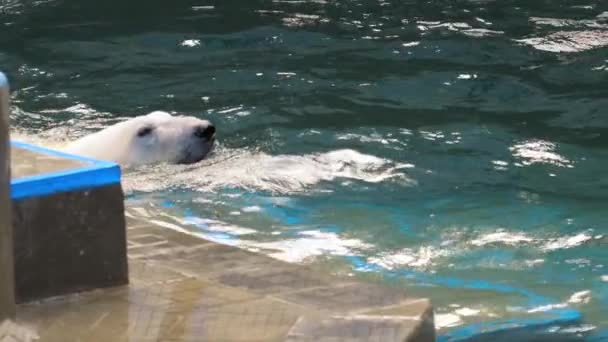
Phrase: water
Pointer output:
(454, 148)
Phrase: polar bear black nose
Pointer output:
(205, 132)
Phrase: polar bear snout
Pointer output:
(197, 145)
(207, 133)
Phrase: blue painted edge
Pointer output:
(96, 174)
(3, 80)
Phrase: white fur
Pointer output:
(171, 140)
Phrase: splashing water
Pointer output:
(258, 171)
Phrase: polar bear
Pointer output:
(152, 138)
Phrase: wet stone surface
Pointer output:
(186, 289)
(352, 328)
(27, 163)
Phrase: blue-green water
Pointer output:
(454, 147)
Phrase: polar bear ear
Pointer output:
(159, 114)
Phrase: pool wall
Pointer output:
(7, 302)
(69, 223)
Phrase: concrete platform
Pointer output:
(187, 289)
(68, 222)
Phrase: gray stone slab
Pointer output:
(68, 242)
(148, 240)
(275, 280)
(347, 297)
(419, 309)
(208, 261)
(353, 329)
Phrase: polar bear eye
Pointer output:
(144, 131)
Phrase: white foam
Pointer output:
(447, 320)
(308, 244)
(501, 237)
(581, 297)
(420, 257)
(467, 312)
(566, 242)
(251, 170)
(549, 307)
(251, 209)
